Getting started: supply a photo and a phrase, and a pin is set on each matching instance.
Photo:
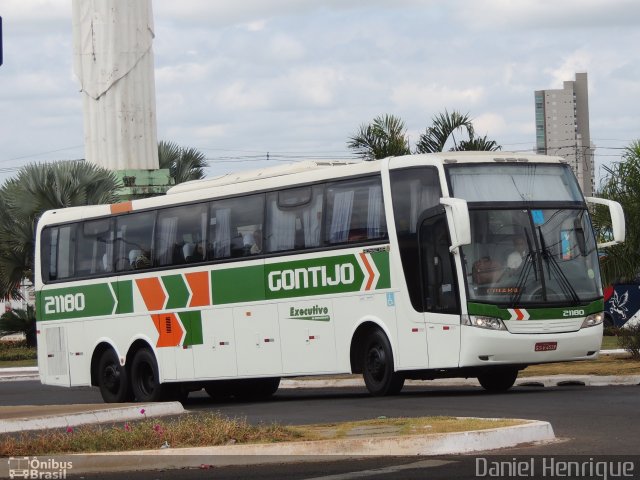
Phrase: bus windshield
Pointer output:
(529, 256)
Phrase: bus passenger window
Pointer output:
(181, 234)
(355, 211)
(235, 227)
(294, 218)
(134, 240)
(95, 248)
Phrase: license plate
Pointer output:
(546, 346)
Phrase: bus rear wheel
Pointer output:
(377, 366)
(113, 379)
(145, 378)
(499, 380)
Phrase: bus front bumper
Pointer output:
(483, 347)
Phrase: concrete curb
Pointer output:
(255, 454)
(103, 415)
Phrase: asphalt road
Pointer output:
(588, 421)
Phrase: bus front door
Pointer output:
(441, 303)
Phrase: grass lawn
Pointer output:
(18, 363)
(604, 365)
(208, 429)
(610, 343)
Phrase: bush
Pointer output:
(611, 331)
(16, 350)
(20, 320)
(629, 339)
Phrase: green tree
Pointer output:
(37, 188)
(384, 137)
(443, 129)
(184, 164)
(621, 263)
(20, 320)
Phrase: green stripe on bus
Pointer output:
(381, 259)
(124, 291)
(536, 313)
(177, 290)
(317, 276)
(192, 322)
(76, 302)
(232, 285)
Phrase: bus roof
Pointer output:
(305, 172)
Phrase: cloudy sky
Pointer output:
(295, 78)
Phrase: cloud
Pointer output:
(577, 61)
(548, 14)
(223, 12)
(241, 95)
(285, 48)
(435, 96)
(493, 124)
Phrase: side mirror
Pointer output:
(461, 228)
(617, 220)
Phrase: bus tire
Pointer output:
(145, 378)
(377, 366)
(113, 379)
(499, 380)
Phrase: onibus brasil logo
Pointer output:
(33, 467)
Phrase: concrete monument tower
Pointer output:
(113, 59)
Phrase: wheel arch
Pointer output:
(102, 345)
(138, 344)
(360, 332)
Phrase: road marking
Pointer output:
(385, 470)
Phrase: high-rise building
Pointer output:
(562, 128)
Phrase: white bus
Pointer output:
(416, 267)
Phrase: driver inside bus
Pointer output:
(515, 258)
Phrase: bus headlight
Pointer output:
(480, 321)
(593, 320)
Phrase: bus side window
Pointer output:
(66, 251)
(355, 211)
(235, 227)
(181, 235)
(95, 248)
(294, 218)
(48, 254)
(134, 241)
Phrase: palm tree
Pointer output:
(184, 164)
(37, 188)
(384, 137)
(444, 127)
(478, 144)
(22, 321)
(621, 263)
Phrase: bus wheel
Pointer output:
(377, 366)
(498, 380)
(113, 379)
(145, 379)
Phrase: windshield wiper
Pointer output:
(552, 266)
(524, 273)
